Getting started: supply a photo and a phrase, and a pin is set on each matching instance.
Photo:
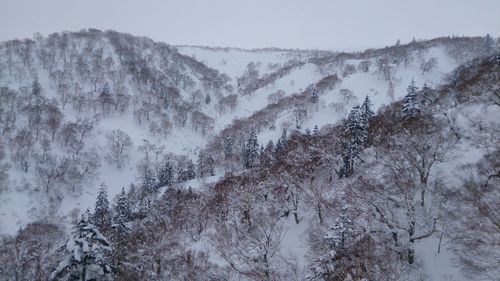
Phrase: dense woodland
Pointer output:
(367, 189)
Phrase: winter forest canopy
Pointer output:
(123, 158)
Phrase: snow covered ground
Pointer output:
(19, 206)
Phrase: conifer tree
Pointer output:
(210, 163)
(315, 133)
(251, 155)
(149, 184)
(191, 170)
(36, 88)
(121, 216)
(102, 216)
(228, 148)
(281, 143)
(205, 165)
(366, 111)
(283, 137)
(314, 94)
(308, 133)
(411, 102)
(366, 114)
(353, 142)
(201, 168)
(425, 95)
(267, 155)
(166, 175)
(86, 255)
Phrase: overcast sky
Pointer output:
(323, 24)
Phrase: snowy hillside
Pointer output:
(208, 144)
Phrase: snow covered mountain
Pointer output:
(241, 136)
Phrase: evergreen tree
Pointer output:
(425, 96)
(102, 217)
(133, 197)
(366, 111)
(228, 148)
(411, 102)
(205, 165)
(210, 163)
(340, 232)
(353, 142)
(166, 175)
(283, 137)
(315, 134)
(489, 44)
(261, 153)
(281, 143)
(356, 130)
(86, 255)
(207, 98)
(267, 155)
(106, 100)
(186, 173)
(314, 94)
(251, 155)
(122, 214)
(308, 133)
(366, 114)
(279, 146)
(36, 88)
(149, 184)
(191, 171)
(201, 168)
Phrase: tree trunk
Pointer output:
(411, 245)
(411, 253)
(422, 197)
(320, 215)
(84, 272)
(296, 216)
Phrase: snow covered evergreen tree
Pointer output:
(281, 143)
(283, 137)
(228, 149)
(36, 88)
(86, 255)
(191, 170)
(267, 155)
(411, 102)
(366, 113)
(315, 132)
(425, 96)
(340, 232)
(166, 175)
(308, 133)
(200, 168)
(149, 184)
(314, 94)
(353, 142)
(205, 165)
(102, 216)
(121, 216)
(251, 156)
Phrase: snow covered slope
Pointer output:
(154, 92)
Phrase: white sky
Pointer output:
(323, 24)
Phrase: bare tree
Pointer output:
(428, 65)
(475, 218)
(254, 254)
(118, 145)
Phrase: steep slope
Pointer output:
(361, 196)
(168, 102)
